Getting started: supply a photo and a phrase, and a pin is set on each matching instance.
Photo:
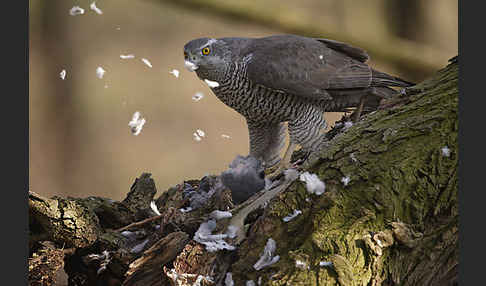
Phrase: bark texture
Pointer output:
(388, 216)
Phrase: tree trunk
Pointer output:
(394, 221)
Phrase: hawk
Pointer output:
(287, 78)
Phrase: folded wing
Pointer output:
(306, 67)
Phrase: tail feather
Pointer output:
(382, 79)
(383, 92)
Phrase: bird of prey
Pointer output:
(287, 78)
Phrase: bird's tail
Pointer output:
(382, 79)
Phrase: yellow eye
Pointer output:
(205, 51)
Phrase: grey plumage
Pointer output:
(244, 178)
(287, 78)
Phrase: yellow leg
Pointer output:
(358, 111)
(283, 164)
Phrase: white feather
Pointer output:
(62, 74)
(267, 257)
(198, 96)
(136, 124)
(153, 206)
(145, 61)
(190, 66)
(175, 73)
(446, 151)
(211, 83)
(313, 184)
(96, 9)
(76, 10)
(345, 180)
(130, 56)
(100, 72)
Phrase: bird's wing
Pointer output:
(354, 52)
(305, 66)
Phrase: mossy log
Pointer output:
(392, 221)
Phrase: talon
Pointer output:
(276, 171)
(359, 110)
(297, 163)
(271, 170)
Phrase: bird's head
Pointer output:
(207, 57)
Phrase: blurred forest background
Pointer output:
(80, 143)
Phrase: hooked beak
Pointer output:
(190, 66)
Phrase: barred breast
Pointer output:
(258, 103)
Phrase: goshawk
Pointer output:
(287, 78)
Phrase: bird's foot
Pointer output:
(299, 162)
(276, 172)
(272, 173)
